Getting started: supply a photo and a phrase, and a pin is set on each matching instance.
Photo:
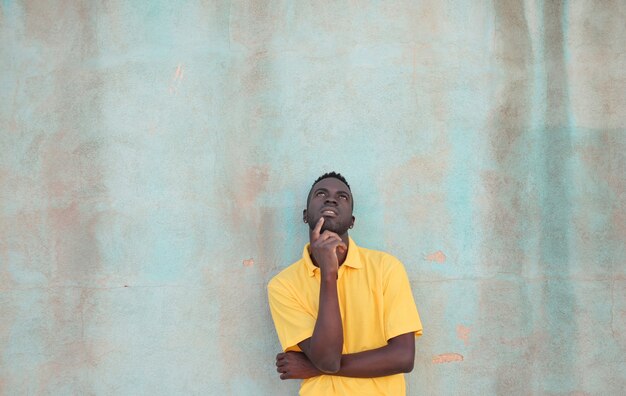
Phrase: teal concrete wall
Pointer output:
(156, 155)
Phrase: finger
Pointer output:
(318, 227)
(280, 356)
(281, 363)
(324, 238)
(284, 376)
(331, 242)
(328, 233)
(336, 244)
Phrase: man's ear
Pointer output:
(304, 215)
(353, 219)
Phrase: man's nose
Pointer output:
(330, 200)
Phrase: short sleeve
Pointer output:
(400, 313)
(293, 323)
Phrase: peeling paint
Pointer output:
(447, 358)
(463, 333)
(176, 79)
(248, 262)
(438, 257)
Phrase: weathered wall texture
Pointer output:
(156, 158)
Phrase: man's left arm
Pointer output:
(394, 358)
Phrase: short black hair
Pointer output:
(327, 175)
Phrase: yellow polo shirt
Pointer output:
(375, 302)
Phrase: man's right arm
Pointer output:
(324, 347)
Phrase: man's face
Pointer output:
(331, 199)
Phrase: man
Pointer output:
(344, 315)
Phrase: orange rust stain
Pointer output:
(179, 72)
(178, 77)
(251, 186)
(438, 257)
(254, 181)
(447, 358)
(249, 262)
(463, 333)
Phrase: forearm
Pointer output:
(368, 364)
(373, 363)
(325, 345)
(394, 358)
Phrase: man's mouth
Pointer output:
(329, 213)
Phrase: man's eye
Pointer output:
(343, 197)
(319, 194)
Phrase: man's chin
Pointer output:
(337, 229)
(329, 225)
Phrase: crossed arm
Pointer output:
(395, 357)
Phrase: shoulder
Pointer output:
(286, 278)
(383, 266)
(379, 259)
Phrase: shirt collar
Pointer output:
(353, 259)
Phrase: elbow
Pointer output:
(329, 369)
(329, 366)
(407, 365)
(408, 360)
